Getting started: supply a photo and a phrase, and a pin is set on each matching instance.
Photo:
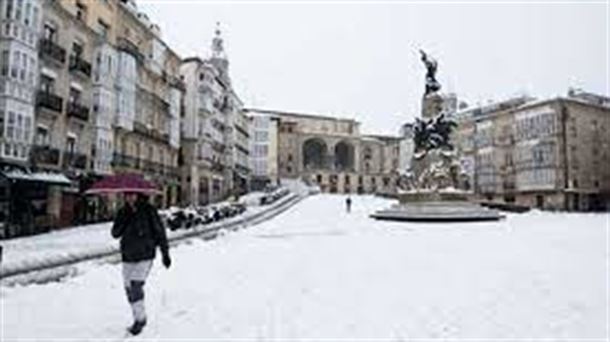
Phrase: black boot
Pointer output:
(137, 327)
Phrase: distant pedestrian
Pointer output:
(139, 227)
(348, 204)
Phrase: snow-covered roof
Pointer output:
(46, 177)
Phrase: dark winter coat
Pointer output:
(141, 231)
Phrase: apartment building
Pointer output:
(215, 130)
(547, 153)
(97, 92)
(20, 26)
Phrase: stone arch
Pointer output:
(344, 156)
(315, 154)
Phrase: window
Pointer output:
(35, 17)
(9, 9)
(31, 76)
(19, 128)
(10, 126)
(261, 136)
(42, 136)
(26, 17)
(71, 143)
(47, 84)
(24, 67)
(1, 123)
(4, 63)
(18, 9)
(27, 129)
(15, 64)
(50, 31)
(77, 50)
(75, 95)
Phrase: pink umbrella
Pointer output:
(123, 183)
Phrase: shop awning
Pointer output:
(43, 177)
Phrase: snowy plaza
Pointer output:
(317, 272)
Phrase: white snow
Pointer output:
(57, 242)
(39, 176)
(63, 243)
(316, 272)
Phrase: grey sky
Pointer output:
(360, 60)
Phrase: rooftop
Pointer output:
(301, 115)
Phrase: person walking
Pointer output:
(140, 229)
(348, 204)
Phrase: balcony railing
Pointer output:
(74, 160)
(152, 133)
(49, 101)
(80, 65)
(125, 45)
(122, 160)
(147, 166)
(49, 48)
(79, 111)
(45, 155)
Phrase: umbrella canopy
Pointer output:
(123, 183)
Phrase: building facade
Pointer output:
(149, 96)
(99, 93)
(330, 152)
(216, 131)
(20, 26)
(263, 150)
(532, 152)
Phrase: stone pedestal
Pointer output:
(436, 206)
(432, 105)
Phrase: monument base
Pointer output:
(428, 206)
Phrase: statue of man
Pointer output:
(432, 84)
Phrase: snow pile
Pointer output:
(66, 246)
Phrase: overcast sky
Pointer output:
(360, 60)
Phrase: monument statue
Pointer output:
(436, 185)
(433, 133)
(432, 85)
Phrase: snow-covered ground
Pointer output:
(64, 241)
(71, 241)
(316, 272)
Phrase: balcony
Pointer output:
(78, 111)
(51, 50)
(215, 165)
(177, 83)
(80, 65)
(125, 161)
(44, 155)
(127, 46)
(152, 133)
(242, 130)
(49, 101)
(73, 160)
